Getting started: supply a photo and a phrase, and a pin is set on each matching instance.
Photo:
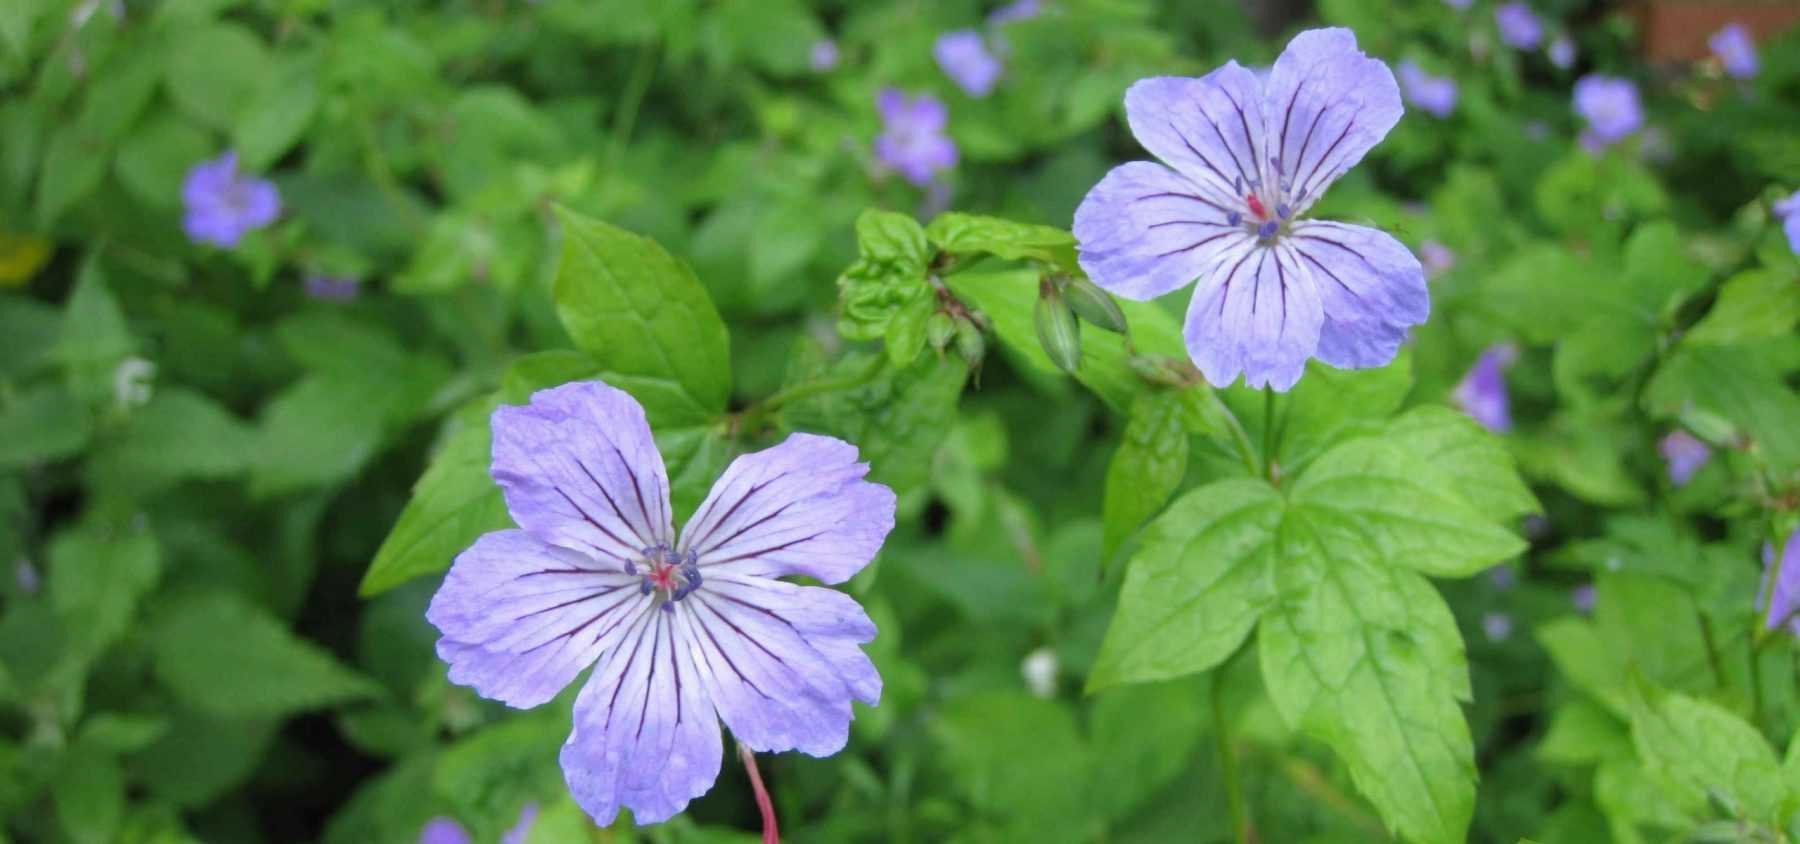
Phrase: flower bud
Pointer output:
(940, 330)
(1094, 305)
(1057, 329)
(970, 343)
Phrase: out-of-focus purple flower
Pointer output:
(1781, 585)
(1482, 392)
(1584, 597)
(1537, 130)
(1436, 257)
(1018, 10)
(1244, 161)
(913, 140)
(1735, 49)
(1519, 26)
(681, 630)
(521, 830)
(824, 55)
(1434, 94)
(1497, 626)
(222, 205)
(1788, 211)
(1561, 52)
(1459, 4)
(1610, 106)
(444, 831)
(1503, 578)
(964, 57)
(327, 288)
(1685, 454)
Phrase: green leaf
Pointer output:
(178, 434)
(1581, 656)
(1737, 383)
(94, 337)
(1465, 458)
(1329, 405)
(1143, 737)
(1018, 756)
(223, 655)
(41, 424)
(1582, 733)
(90, 795)
(274, 117)
(74, 163)
(494, 771)
(155, 157)
(213, 70)
(1752, 305)
(1148, 466)
(646, 319)
(887, 279)
(898, 420)
(1204, 574)
(966, 234)
(97, 579)
(1366, 657)
(453, 503)
(319, 432)
(1695, 747)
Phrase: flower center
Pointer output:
(671, 574)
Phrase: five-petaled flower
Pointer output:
(223, 205)
(965, 58)
(912, 139)
(1245, 161)
(683, 630)
(1735, 49)
(1685, 454)
(1435, 94)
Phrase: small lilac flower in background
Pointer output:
(824, 55)
(1735, 49)
(964, 57)
(1781, 585)
(1584, 597)
(1243, 161)
(913, 140)
(1685, 454)
(1561, 52)
(682, 630)
(1482, 392)
(448, 831)
(1520, 27)
(1502, 578)
(1610, 106)
(1436, 257)
(1459, 4)
(1434, 94)
(1788, 211)
(1497, 626)
(1018, 10)
(222, 206)
(328, 288)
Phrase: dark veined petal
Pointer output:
(1210, 129)
(645, 736)
(779, 661)
(800, 507)
(1256, 313)
(579, 469)
(1146, 230)
(1328, 105)
(520, 618)
(1372, 287)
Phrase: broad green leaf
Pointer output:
(223, 655)
(96, 580)
(1582, 733)
(41, 424)
(319, 432)
(155, 157)
(213, 70)
(1009, 297)
(94, 337)
(1695, 747)
(202, 757)
(1147, 467)
(1737, 383)
(1144, 736)
(1467, 458)
(121, 89)
(74, 163)
(1327, 406)
(1581, 656)
(887, 279)
(1366, 657)
(453, 504)
(121, 732)
(1204, 574)
(273, 118)
(1753, 305)
(90, 795)
(488, 775)
(897, 420)
(645, 319)
(178, 434)
(1017, 756)
(964, 234)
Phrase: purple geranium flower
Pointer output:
(1788, 211)
(1018, 10)
(1561, 52)
(1735, 49)
(1685, 454)
(448, 831)
(223, 205)
(683, 630)
(1610, 106)
(1434, 94)
(328, 288)
(912, 140)
(1482, 392)
(1519, 26)
(966, 60)
(1781, 585)
(1245, 160)
(823, 56)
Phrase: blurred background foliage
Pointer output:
(202, 454)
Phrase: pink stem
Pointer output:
(771, 833)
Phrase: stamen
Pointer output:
(1281, 210)
(1256, 207)
(1234, 218)
(1267, 230)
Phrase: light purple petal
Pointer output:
(579, 469)
(1610, 106)
(1519, 26)
(260, 202)
(1209, 129)
(1257, 313)
(208, 179)
(520, 618)
(964, 57)
(1735, 49)
(1372, 288)
(1561, 52)
(1436, 95)
(1146, 230)
(646, 736)
(1329, 104)
(824, 55)
(1685, 454)
(444, 831)
(1482, 393)
(801, 507)
(521, 830)
(1790, 225)
(1781, 584)
(912, 139)
(780, 661)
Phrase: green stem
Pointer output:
(754, 415)
(1234, 791)
(636, 86)
(1268, 450)
(1755, 679)
(1712, 648)
(1241, 436)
